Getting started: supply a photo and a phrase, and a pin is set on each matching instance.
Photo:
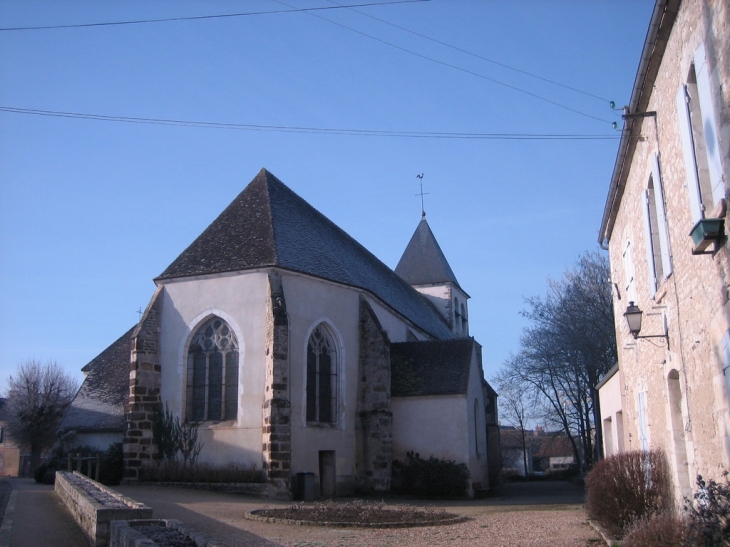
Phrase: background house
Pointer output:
(14, 458)
(670, 179)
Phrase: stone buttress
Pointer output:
(374, 422)
(144, 390)
(277, 406)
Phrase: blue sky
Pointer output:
(91, 211)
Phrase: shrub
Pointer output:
(666, 530)
(431, 478)
(45, 473)
(111, 468)
(174, 471)
(709, 513)
(628, 487)
(111, 463)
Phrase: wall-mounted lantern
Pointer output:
(633, 317)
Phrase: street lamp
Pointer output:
(633, 317)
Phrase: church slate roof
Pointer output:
(438, 367)
(269, 225)
(99, 403)
(423, 262)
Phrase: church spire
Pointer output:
(423, 262)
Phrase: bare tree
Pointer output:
(569, 345)
(38, 395)
(517, 407)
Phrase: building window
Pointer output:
(457, 315)
(322, 368)
(212, 383)
(698, 131)
(463, 319)
(656, 233)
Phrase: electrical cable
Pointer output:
(443, 63)
(467, 52)
(193, 18)
(309, 130)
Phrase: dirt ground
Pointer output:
(541, 514)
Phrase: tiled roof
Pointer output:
(430, 367)
(99, 403)
(556, 445)
(423, 262)
(269, 225)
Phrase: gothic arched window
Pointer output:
(322, 368)
(212, 390)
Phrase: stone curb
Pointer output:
(7, 527)
(122, 533)
(610, 541)
(251, 515)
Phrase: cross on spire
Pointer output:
(421, 193)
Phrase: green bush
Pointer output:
(628, 487)
(431, 478)
(709, 513)
(666, 530)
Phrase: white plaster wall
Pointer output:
(609, 397)
(432, 426)
(440, 296)
(309, 302)
(240, 300)
(99, 440)
(477, 440)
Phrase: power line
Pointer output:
(221, 16)
(309, 130)
(467, 52)
(456, 67)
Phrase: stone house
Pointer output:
(295, 349)
(14, 457)
(664, 228)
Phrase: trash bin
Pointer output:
(306, 486)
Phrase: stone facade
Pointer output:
(674, 391)
(277, 404)
(374, 425)
(144, 390)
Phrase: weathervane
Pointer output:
(423, 210)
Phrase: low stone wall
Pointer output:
(254, 489)
(94, 506)
(126, 533)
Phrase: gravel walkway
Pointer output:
(542, 515)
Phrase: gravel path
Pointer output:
(523, 517)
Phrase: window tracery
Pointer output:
(212, 380)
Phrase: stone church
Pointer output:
(295, 349)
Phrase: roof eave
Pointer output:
(662, 20)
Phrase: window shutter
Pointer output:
(688, 151)
(629, 272)
(707, 108)
(661, 216)
(648, 244)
